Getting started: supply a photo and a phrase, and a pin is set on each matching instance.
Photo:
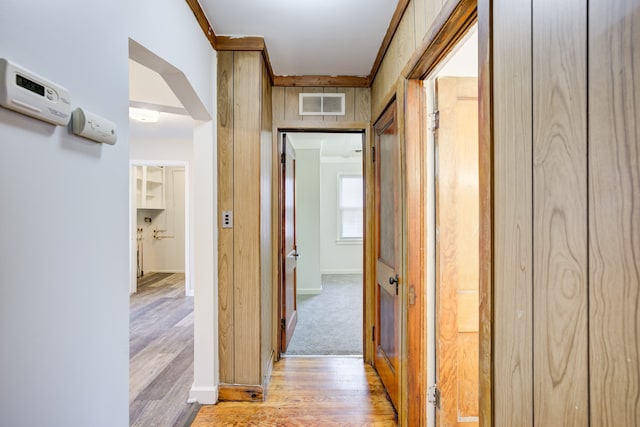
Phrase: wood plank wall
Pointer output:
(244, 177)
(415, 22)
(286, 104)
(566, 173)
(567, 218)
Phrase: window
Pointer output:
(349, 207)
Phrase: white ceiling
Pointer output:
(308, 37)
(344, 147)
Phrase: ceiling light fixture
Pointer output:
(143, 115)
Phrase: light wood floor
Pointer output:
(160, 352)
(311, 391)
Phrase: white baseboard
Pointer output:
(345, 271)
(311, 291)
(150, 270)
(203, 395)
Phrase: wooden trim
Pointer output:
(240, 393)
(415, 128)
(368, 278)
(485, 172)
(451, 24)
(239, 43)
(321, 81)
(203, 21)
(391, 32)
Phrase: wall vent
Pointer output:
(322, 104)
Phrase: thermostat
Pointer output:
(27, 93)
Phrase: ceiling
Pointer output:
(308, 37)
(343, 147)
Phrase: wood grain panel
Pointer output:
(560, 213)
(291, 102)
(457, 218)
(266, 236)
(420, 18)
(467, 367)
(225, 203)
(486, 220)
(363, 105)
(396, 20)
(247, 120)
(278, 94)
(513, 207)
(349, 104)
(614, 211)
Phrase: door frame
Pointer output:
(451, 24)
(133, 212)
(365, 128)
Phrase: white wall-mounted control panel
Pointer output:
(27, 93)
(94, 127)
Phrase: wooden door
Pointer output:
(388, 227)
(288, 313)
(457, 224)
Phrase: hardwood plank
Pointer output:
(246, 179)
(225, 203)
(161, 373)
(560, 360)
(614, 212)
(513, 205)
(351, 394)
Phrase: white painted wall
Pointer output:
(308, 220)
(64, 221)
(165, 254)
(169, 141)
(336, 258)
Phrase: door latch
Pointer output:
(394, 280)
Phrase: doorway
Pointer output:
(453, 230)
(168, 125)
(328, 282)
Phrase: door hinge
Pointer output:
(434, 121)
(433, 396)
(373, 333)
(283, 158)
(373, 154)
(283, 323)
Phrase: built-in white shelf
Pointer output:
(150, 182)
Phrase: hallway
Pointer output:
(311, 391)
(161, 352)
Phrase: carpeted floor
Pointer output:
(330, 323)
